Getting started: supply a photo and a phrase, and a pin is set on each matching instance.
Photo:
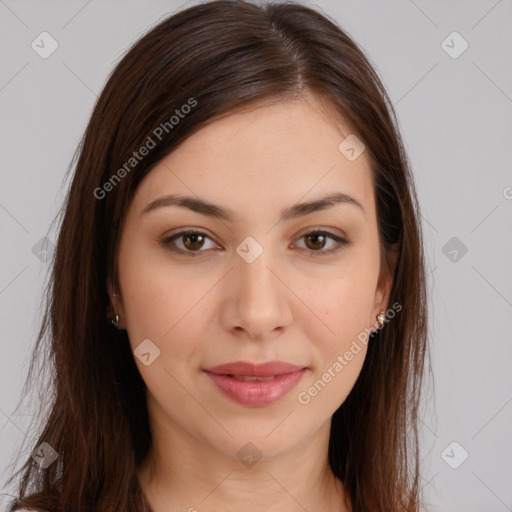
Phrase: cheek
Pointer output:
(341, 304)
(339, 342)
(164, 303)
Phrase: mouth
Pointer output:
(255, 385)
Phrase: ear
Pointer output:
(115, 304)
(385, 282)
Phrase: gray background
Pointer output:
(455, 115)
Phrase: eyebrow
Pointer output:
(218, 212)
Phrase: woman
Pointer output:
(237, 312)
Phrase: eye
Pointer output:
(317, 240)
(193, 242)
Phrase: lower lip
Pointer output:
(247, 392)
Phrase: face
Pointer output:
(254, 279)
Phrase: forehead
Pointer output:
(267, 156)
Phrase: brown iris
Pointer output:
(197, 241)
(318, 238)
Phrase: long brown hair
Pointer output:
(217, 57)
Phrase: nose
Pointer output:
(259, 305)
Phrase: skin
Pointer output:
(215, 308)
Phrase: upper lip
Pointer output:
(243, 368)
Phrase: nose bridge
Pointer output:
(253, 269)
(260, 294)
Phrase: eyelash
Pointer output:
(168, 242)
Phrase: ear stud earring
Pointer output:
(380, 320)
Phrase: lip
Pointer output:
(256, 393)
